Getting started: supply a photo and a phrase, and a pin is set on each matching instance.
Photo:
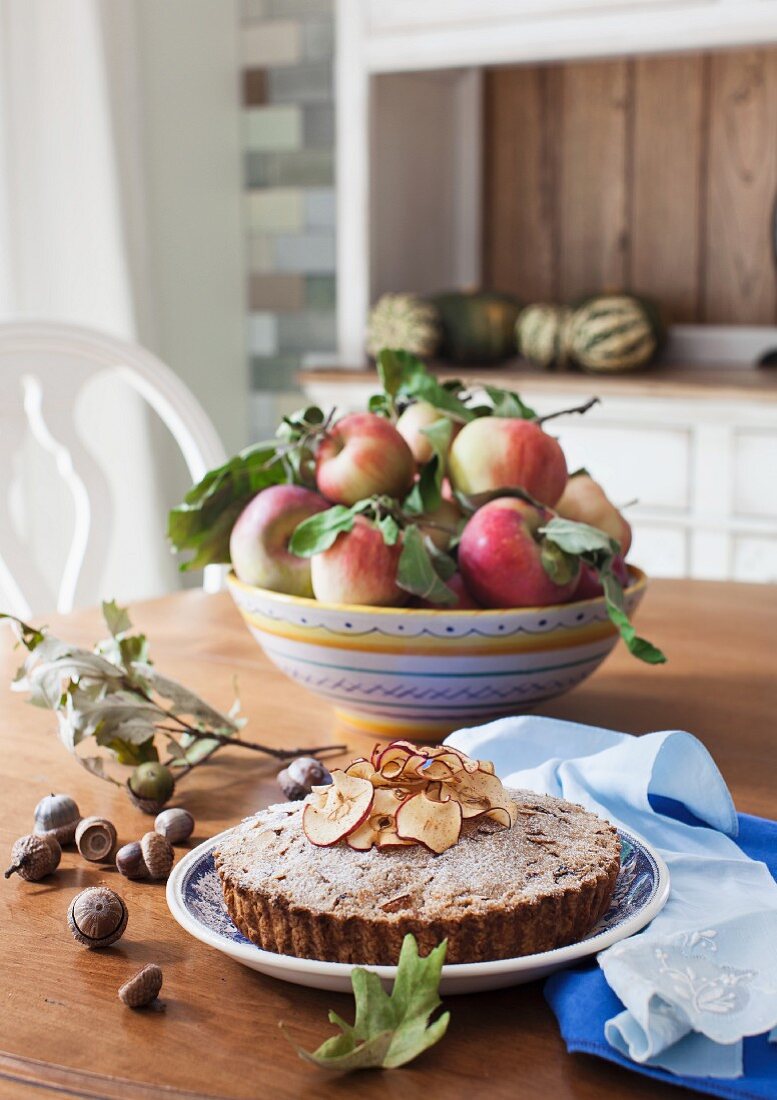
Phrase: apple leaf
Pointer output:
(204, 521)
(426, 494)
(418, 569)
(389, 528)
(318, 532)
(116, 618)
(403, 375)
(597, 549)
(506, 403)
(389, 1030)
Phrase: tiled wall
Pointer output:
(287, 50)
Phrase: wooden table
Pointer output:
(62, 1027)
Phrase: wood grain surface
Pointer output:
(63, 1029)
(655, 174)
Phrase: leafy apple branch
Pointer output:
(114, 698)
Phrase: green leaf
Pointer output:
(641, 648)
(426, 494)
(132, 755)
(389, 528)
(29, 636)
(116, 618)
(403, 375)
(597, 549)
(416, 570)
(578, 538)
(204, 521)
(317, 533)
(506, 403)
(388, 1030)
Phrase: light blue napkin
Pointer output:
(704, 973)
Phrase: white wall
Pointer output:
(190, 98)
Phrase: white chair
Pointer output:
(43, 368)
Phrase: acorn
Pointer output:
(130, 862)
(97, 917)
(175, 825)
(96, 839)
(57, 814)
(150, 786)
(302, 774)
(158, 855)
(142, 988)
(34, 856)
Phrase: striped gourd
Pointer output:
(540, 333)
(613, 332)
(403, 321)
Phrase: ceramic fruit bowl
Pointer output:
(412, 672)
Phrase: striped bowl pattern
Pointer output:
(399, 672)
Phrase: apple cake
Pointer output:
(442, 850)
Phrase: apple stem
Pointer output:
(567, 412)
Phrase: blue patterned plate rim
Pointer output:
(641, 892)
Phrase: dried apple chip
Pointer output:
(436, 825)
(336, 810)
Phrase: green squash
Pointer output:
(540, 334)
(613, 333)
(477, 326)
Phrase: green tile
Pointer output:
(321, 291)
(273, 128)
(303, 168)
(302, 84)
(309, 330)
(318, 125)
(276, 210)
(318, 39)
(291, 9)
(274, 372)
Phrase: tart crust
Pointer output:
(498, 893)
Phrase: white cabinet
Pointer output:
(698, 475)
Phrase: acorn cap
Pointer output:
(158, 855)
(142, 988)
(96, 839)
(34, 856)
(97, 917)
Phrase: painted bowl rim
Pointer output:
(637, 587)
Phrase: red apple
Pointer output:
(496, 452)
(500, 557)
(410, 426)
(360, 455)
(585, 501)
(465, 601)
(259, 543)
(359, 568)
(588, 587)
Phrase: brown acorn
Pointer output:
(158, 855)
(97, 917)
(175, 825)
(34, 856)
(130, 862)
(96, 839)
(142, 988)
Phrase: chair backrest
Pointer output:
(43, 368)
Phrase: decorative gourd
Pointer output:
(611, 333)
(403, 321)
(540, 334)
(477, 326)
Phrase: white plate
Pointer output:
(195, 900)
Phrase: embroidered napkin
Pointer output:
(703, 975)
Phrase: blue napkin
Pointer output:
(678, 999)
